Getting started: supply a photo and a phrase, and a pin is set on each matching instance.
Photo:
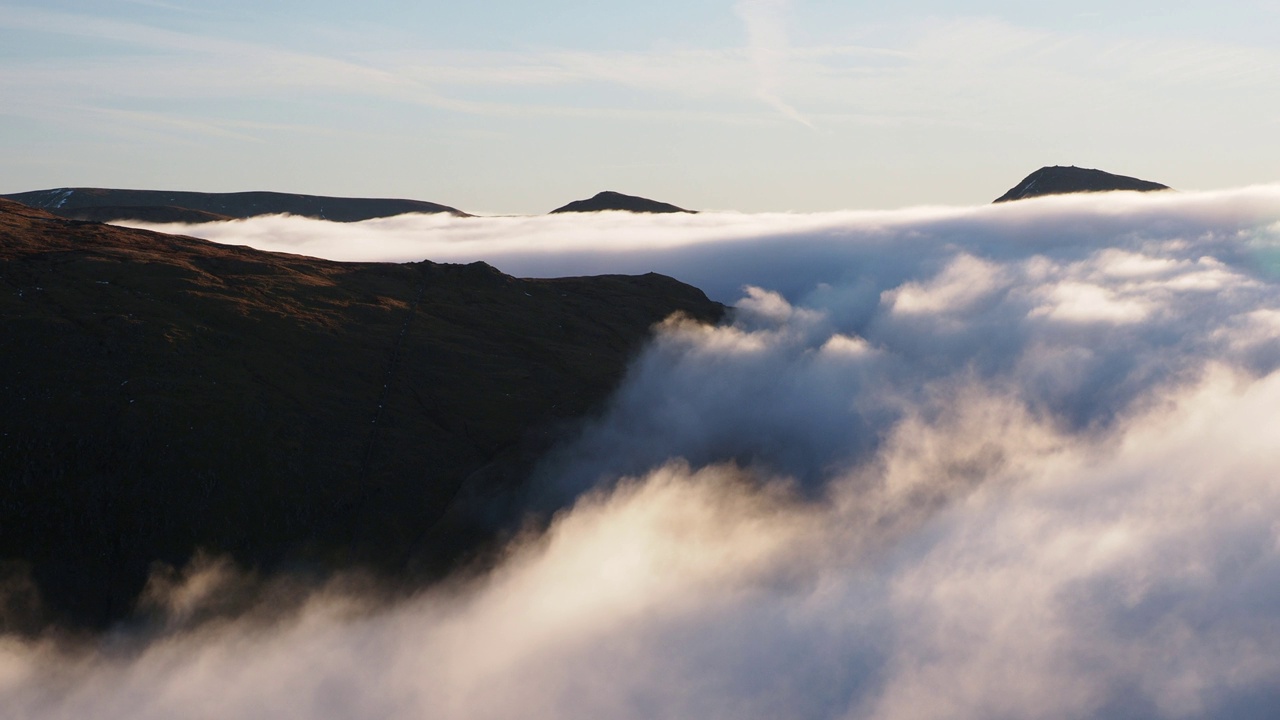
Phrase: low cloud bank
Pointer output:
(969, 463)
(788, 253)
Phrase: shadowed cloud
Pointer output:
(1011, 461)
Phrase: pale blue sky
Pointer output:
(755, 105)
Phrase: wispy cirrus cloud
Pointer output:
(909, 110)
(765, 22)
(953, 71)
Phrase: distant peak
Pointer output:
(610, 200)
(1062, 180)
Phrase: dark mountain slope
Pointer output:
(1060, 180)
(609, 200)
(145, 213)
(164, 205)
(160, 394)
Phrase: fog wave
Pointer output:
(1014, 461)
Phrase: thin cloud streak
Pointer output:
(767, 43)
(916, 79)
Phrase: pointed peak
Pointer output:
(611, 200)
(1062, 180)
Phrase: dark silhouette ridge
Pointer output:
(161, 394)
(102, 204)
(1062, 180)
(144, 213)
(609, 200)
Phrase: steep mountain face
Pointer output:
(102, 204)
(160, 394)
(609, 200)
(1060, 180)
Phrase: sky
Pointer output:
(997, 461)
(497, 106)
(942, 459)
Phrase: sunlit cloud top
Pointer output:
(968, 462)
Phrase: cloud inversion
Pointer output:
(1016, 461)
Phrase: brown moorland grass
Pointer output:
(162, 394)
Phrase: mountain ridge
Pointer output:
(1064, 179)
(164, 395)
(103, 204)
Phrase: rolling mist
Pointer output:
(1002, 461)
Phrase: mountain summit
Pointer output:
(609, 200)
(1061, 180)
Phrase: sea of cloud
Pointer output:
(1010, 461)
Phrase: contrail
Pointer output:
(767, 42)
